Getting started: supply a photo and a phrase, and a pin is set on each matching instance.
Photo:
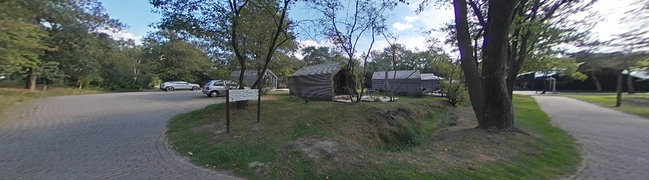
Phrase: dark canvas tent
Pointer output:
(316, 81)
(249, 77)
(406, 81)
(430, 82)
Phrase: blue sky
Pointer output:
(134, 13)
(402, 21)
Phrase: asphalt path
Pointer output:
(615, 145)
(102, 136)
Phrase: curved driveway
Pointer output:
(615, 144)
(104, 136)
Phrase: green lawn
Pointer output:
(637, 103)
(413, 138)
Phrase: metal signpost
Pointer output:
(234, 95)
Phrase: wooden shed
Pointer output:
(322, 81)
(430, 82)
(404, 82)
(250, 76)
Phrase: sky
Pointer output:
(403, 21)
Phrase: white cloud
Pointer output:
(410, 19)
(122, 35)
(401, 27)
(307, 43)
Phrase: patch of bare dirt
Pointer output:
(329, 153)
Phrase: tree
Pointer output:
(21, 41)
(347, 25)
(173, 58)
(73, 27)
(318, 55)
(509, 32)
(233, 25)
(616, 62)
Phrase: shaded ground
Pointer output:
(104, 136)
(615, 144)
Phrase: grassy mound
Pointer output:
(411, 138)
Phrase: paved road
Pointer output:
(615, 144)
(105, 136)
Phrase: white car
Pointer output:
(218, 87)
(173, 85)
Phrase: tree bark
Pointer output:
(629, 83)
(618, 90)
(31, 81)
(598, 85)
(499, 113)
(468, 63)
(236, 10)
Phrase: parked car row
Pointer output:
(212, 88)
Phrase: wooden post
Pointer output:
(227, 111)
(258, 102)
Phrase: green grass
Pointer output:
(407, 139)
(637, 103)
(15, 96)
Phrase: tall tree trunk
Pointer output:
(629, 83)
(468, 63)
(499, 112)
(598, 85)
(618, 89)
(31, 81)
(234, 42)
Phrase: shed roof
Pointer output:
(414, 74)
(318, 69)
(430, 76)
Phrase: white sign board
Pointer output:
(243, 94)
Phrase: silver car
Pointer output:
(173, 85)
(218, 87)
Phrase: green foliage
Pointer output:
(455, 93)
(319, 55)
(176, 59)
(611, 61)
(21, 41)
(566, 66)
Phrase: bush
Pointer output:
(455, 93)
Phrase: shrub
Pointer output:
(455, 93)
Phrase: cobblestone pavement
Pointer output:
(104, 136)
(615, 145)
